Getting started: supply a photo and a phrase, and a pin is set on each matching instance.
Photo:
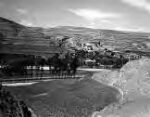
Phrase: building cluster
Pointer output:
(97, 55)
(91, 47)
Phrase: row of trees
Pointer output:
(58, 65)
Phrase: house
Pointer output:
(90, 46)
(132, 56)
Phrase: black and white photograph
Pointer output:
(74, 58)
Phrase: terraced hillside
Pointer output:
(15, 38)
(21, 39)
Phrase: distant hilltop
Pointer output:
(16, 38)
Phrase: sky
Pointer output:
(128, 15)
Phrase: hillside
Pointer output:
(110, 39)
(15, 38)
(35, 40)
(133, 82)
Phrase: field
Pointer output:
(66, 98)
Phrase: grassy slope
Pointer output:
(69, 98)
(133, 79)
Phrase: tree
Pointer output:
(74, 64)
